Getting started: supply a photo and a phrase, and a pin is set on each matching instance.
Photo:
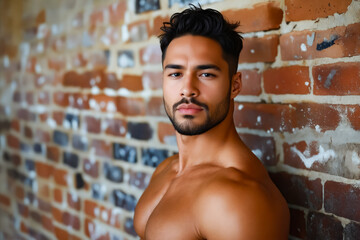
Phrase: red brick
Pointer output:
(139, 180)
(117, 12)
(58, 195)
(155, 107)
(271, 17)
(281, 117)
(116, 127)
(60, 177)
(61, 99)
(91, 168)
(90, 207)
(44, 170)
(35, 216)
(102, 148)
(341, 199)
(150, 54)
(287, 80)
(353, 115)
(44, 205)
(262, 147)
(158, 22)
(23, 210)
(311, 10)
(17, 97)
(71, 220)
(78, 60)
(31, 63)
(19, 192)
(43, 98)
(299, 190)
(58, 117)
(351, 231)
(92, 124)
(15, 125)
(57, 63)
(23, 227)
(60, 233)
(152, 80)
(73, 201)
(42, 135)
(313, 115)
(132, 83)
(321, 226)
(263, 116)
(43, 116)
(166, 133)
(73, 79)
(5, 201)
(16, 159)
(25, 114)
(130, 106)
(250, 82)
(259, 49)
(47, 223)
(104, 103)
(336, 42)
(43, 190)
(79, 101)
(53, 153)
(111, 81)
(337, 79)
(57, 214)
(28, 132)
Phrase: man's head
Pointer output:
(200, 79)
(207, 23)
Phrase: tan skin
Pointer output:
(215, 188)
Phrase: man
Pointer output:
(215, 188)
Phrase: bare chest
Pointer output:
(167, 210)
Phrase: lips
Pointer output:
(189, 109)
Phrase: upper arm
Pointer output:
(241, 212)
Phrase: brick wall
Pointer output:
(82, 124)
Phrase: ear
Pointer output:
(236, 85)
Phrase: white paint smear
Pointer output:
(322, 156)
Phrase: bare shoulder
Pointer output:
(233, 205)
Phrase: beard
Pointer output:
(188, 127)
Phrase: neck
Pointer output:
(207, 147)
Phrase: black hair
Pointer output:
(207, 23)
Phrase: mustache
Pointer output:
(190, 101)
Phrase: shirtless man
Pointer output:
(215, 188)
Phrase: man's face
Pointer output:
(196, 84)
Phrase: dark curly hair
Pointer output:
(208, 23)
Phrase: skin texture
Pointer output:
(215, 188)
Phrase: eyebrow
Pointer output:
(199, 67)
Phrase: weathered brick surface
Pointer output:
(259, 49)
(287, 80)
(306, 10)
(299, 190)
(337, 196)
(337, 79)
(336, 42)
(271, 17)
(323, 227)
(82, 121)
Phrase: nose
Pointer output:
(189, 88)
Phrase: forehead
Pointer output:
(193, 50)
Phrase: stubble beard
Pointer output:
(188, 127)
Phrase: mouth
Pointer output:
(189, 109)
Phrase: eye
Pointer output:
(207, 75)
(174, 75)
